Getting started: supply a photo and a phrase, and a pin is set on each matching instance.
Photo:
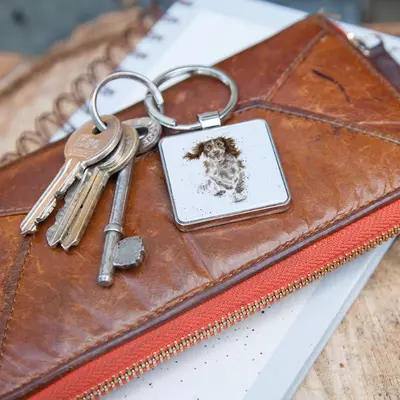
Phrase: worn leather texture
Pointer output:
(335, 122)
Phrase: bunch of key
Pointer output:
(91, 158)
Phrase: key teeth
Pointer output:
(32, 227)
(68, 183)
(28, 230)
(47, 211)
(129, 253)
(27, 227)
(51, 239)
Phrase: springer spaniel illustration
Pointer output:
(224, 169)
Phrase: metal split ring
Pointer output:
(153, 93)
(186, 72)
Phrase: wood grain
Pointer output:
(362, 358)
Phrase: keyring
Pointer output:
(189, 71)
(154, 92)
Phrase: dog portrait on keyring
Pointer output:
(224, 168)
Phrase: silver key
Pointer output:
(83, 148)
(73, 200)
(64, 221)
(130, 143)
(71, 192)
(129, 252)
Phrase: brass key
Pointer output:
(69, 196)
(83, 148)
(100, 179)
(63, 221)
(73, 200)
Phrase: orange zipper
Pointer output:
(145, 352)
(228, 320)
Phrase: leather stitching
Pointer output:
(291, 68)
(20, 264)
(327, 25)
(245, 106)
(14, 209)
(223, 277)
(254, 261)
(5, 212)
(210, 284)
(297, 112)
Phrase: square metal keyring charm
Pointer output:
(223, 174)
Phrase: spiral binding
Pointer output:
(67, 103)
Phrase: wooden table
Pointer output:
(362, 358)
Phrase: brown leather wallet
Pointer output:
(335, 122)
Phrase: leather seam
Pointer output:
(210, 284)
(13, 209)
(5, 212)
(327, 25)
(25, 242)
(313, 117)
(290, 69)
(245, 106)
(252, 262)
(327, 28)
(223, 277)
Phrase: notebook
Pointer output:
(262, 354)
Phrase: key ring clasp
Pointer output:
(153, 93)
(203, 119)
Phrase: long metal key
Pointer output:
(129, 252)
(104, 172)
(63, 222)
(83, 148)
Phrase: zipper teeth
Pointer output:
(184, 343)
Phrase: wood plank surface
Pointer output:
(362, 358)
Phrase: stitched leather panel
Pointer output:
(8, 270)
(31, 174)
(336, 80)
(336, 170)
